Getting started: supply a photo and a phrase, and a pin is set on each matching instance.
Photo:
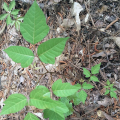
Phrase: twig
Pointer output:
(95, 47)
(10, 79)
(112, 23)
(89, 14)
(89, 54)
(3, 28)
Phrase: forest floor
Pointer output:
(94, 39)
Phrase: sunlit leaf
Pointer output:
(69, 106)
(95, 69)
(64, 89)
(52, 115)
(5, 6)
(8, 20)
(12, 4)
(107, 91)
(34, 27)
(87, 86)
(113, 89)
(21, 55)
(14, 103)
(86, 72)
(15, 12)
(47, 103)
(82, 95)
(94, 78)
(3, 16)
(40, 91)
(108, 82)
(30, 116)
(113, 94)
(50, 49)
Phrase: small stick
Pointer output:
(60, 15)
(3, 28)
(89, 14)
(95, 47)
(112, 23)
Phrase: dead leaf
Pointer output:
(100, 113)
(106, 101)
(75, 10)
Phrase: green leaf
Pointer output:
(108, 82)
(106, 86)
(75, 98)
(14, 103)
(12, 23)
(112, 89)
(95, 69)
(52, 115)
(15, 12)
(30, 116)
(8, 20)
(94, 78)
(113, 94)
(21, 55)
(3, 16)
(17, 25)
(50, 49)
(15, 17)
(20, 19)
(47, 103)
(87, 86)
(34, 27)
(5, 6)
(107, 91)
(111, 85)
(12, 4)
(86, 72)
(69, 106)
(82, 95)
(64, 89)
(42, 87)
(40, 91)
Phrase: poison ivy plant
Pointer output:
(94, 70)
(110, 89)
(34, 29)
(81, 95)
(11, 12)
(40, 98)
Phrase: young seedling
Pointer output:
(94, 70)
(80, 96)
(11, 12)
(110, 89)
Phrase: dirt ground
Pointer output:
(95, 40)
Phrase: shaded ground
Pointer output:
(85, 48)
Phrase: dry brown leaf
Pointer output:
(103, 114)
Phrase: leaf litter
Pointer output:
(69, 64)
